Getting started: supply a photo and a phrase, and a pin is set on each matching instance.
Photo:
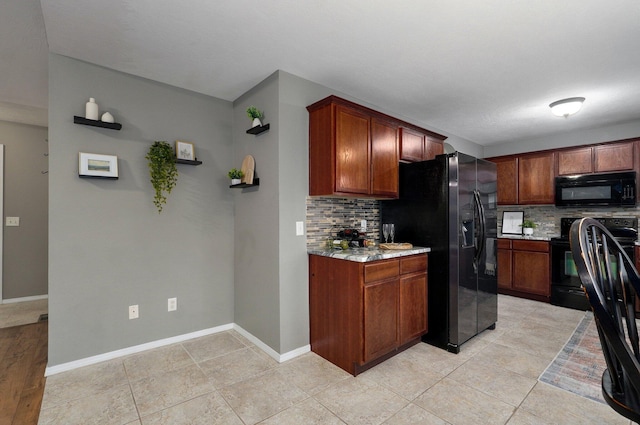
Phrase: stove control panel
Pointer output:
(623, 227)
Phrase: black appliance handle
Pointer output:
(482, 237)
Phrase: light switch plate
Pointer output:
(172, 304)
(299, 228)
(12, 221)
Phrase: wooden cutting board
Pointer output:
(396, 246)
(248, 167)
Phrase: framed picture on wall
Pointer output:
(185, 150)
(94, 165)
(512, 222)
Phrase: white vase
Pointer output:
(91, 110)
(236, 181)
(256, 123)
(107, 117)
(528, 231)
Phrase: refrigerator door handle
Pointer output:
(481, 218)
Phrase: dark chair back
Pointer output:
(611, 283)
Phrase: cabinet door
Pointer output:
(413, 307)
(531, 272)
(411, 145)
(614, 157)
(380, 318)
(432, 147)
(352, 151)
(535, 179)
(507, 175)
(384, 158)
(575, 161)
(504, 269)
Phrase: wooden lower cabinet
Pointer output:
(380, 302)
(363, 313)
(524, 268)
(505, 261)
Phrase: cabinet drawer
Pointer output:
(540, 246)
(504, 244)
(382, 270)
(413, 264)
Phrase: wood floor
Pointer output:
(23, 358)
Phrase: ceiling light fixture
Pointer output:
(566, 107)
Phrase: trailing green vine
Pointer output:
(163, 170)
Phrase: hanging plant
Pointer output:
(163, 170)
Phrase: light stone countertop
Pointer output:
(363, 255)
(526, 238)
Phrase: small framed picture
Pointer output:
(184, 150)
(512, 222)
(97, 166)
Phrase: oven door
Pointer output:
(566, 287)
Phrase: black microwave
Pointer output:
(606, 190)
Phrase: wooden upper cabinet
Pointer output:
(575, 161)
(355, 151)
(352, 151)
(507, 172)
(411, 145)
(614, 157)
(417, 146)
(620, 156)
(432, 147)
(536, 178)
(384, 158)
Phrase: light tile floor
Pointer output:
(224, 379)
(22, 313)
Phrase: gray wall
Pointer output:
(295, 94)
(256, 239)
(25, 253)
(622, 131)
(108, 246)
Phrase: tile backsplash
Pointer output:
(547, 217)
(326, 216)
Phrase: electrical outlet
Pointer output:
(12, 221)
(172, 304)
(363, 225)
(299, 228)
(133, 312)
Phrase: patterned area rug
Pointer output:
(578, 367)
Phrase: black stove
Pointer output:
(624, 229)
(566, 287)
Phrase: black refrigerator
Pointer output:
(449, 205)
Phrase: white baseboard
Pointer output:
(270, 351)
(24, 299)
(64, 367)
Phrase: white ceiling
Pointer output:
(482, 70)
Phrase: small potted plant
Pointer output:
(527, 227)
(256, 115)
(235, 175)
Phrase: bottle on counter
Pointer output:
(91, 110)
